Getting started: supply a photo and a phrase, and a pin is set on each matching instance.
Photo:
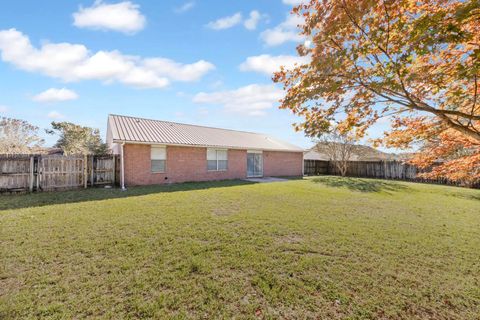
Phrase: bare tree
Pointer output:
(18, 136)
(339, 148)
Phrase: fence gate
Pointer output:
(61, 172)
(102, 170)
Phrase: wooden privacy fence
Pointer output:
(54, 172)
(378, 169)
(15, 172)
(315, 167)
(374, 169)
(60, 172)
(104, 169)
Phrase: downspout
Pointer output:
(122, 167)
(303, 164)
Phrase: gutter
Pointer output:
(303, 164)
(205, 146)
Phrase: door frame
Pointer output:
(256, 152)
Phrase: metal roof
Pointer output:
(139, 130)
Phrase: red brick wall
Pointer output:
(190, 164)
(277, 164)
(183, 164)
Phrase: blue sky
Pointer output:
(200, 61)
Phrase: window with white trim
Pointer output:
(158, 157)
(217, 160)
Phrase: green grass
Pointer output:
(322, 247)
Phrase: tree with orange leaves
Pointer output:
(414, 61)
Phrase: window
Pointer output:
(217, 160)
(158, 158)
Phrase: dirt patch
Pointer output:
(290, 239)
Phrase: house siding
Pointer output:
(190, 164)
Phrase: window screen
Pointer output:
(158, 158)
(217, 160)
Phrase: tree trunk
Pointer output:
(342, 167)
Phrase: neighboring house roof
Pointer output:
(139, 130)
(360, 153)
(46, 150)
(312, 154)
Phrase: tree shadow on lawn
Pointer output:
(360, 184)
(467, 196)
(19, 201)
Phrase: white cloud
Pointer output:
(268, 64)
(74, 62)
(55, 95)
(252, 21)
(177, 71)
(55, 115)
(226, 22)
(123, 17)
(292, 2)
(4, 109)
(284, 32)
(252, 100)
(249, 23)
(185, 7)
(216, 84)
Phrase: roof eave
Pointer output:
(204, 146)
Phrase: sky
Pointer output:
(201, 62)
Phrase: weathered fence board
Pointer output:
(61, 172)
(15, 172)
(315, 167)
(103, 170)
(54, 172)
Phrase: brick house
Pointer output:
(155, 152)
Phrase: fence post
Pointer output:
(31, 176)
(39, 160)
(85, 171)
(92, 173)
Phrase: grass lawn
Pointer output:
(322, 247)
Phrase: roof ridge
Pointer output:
(193, 125)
